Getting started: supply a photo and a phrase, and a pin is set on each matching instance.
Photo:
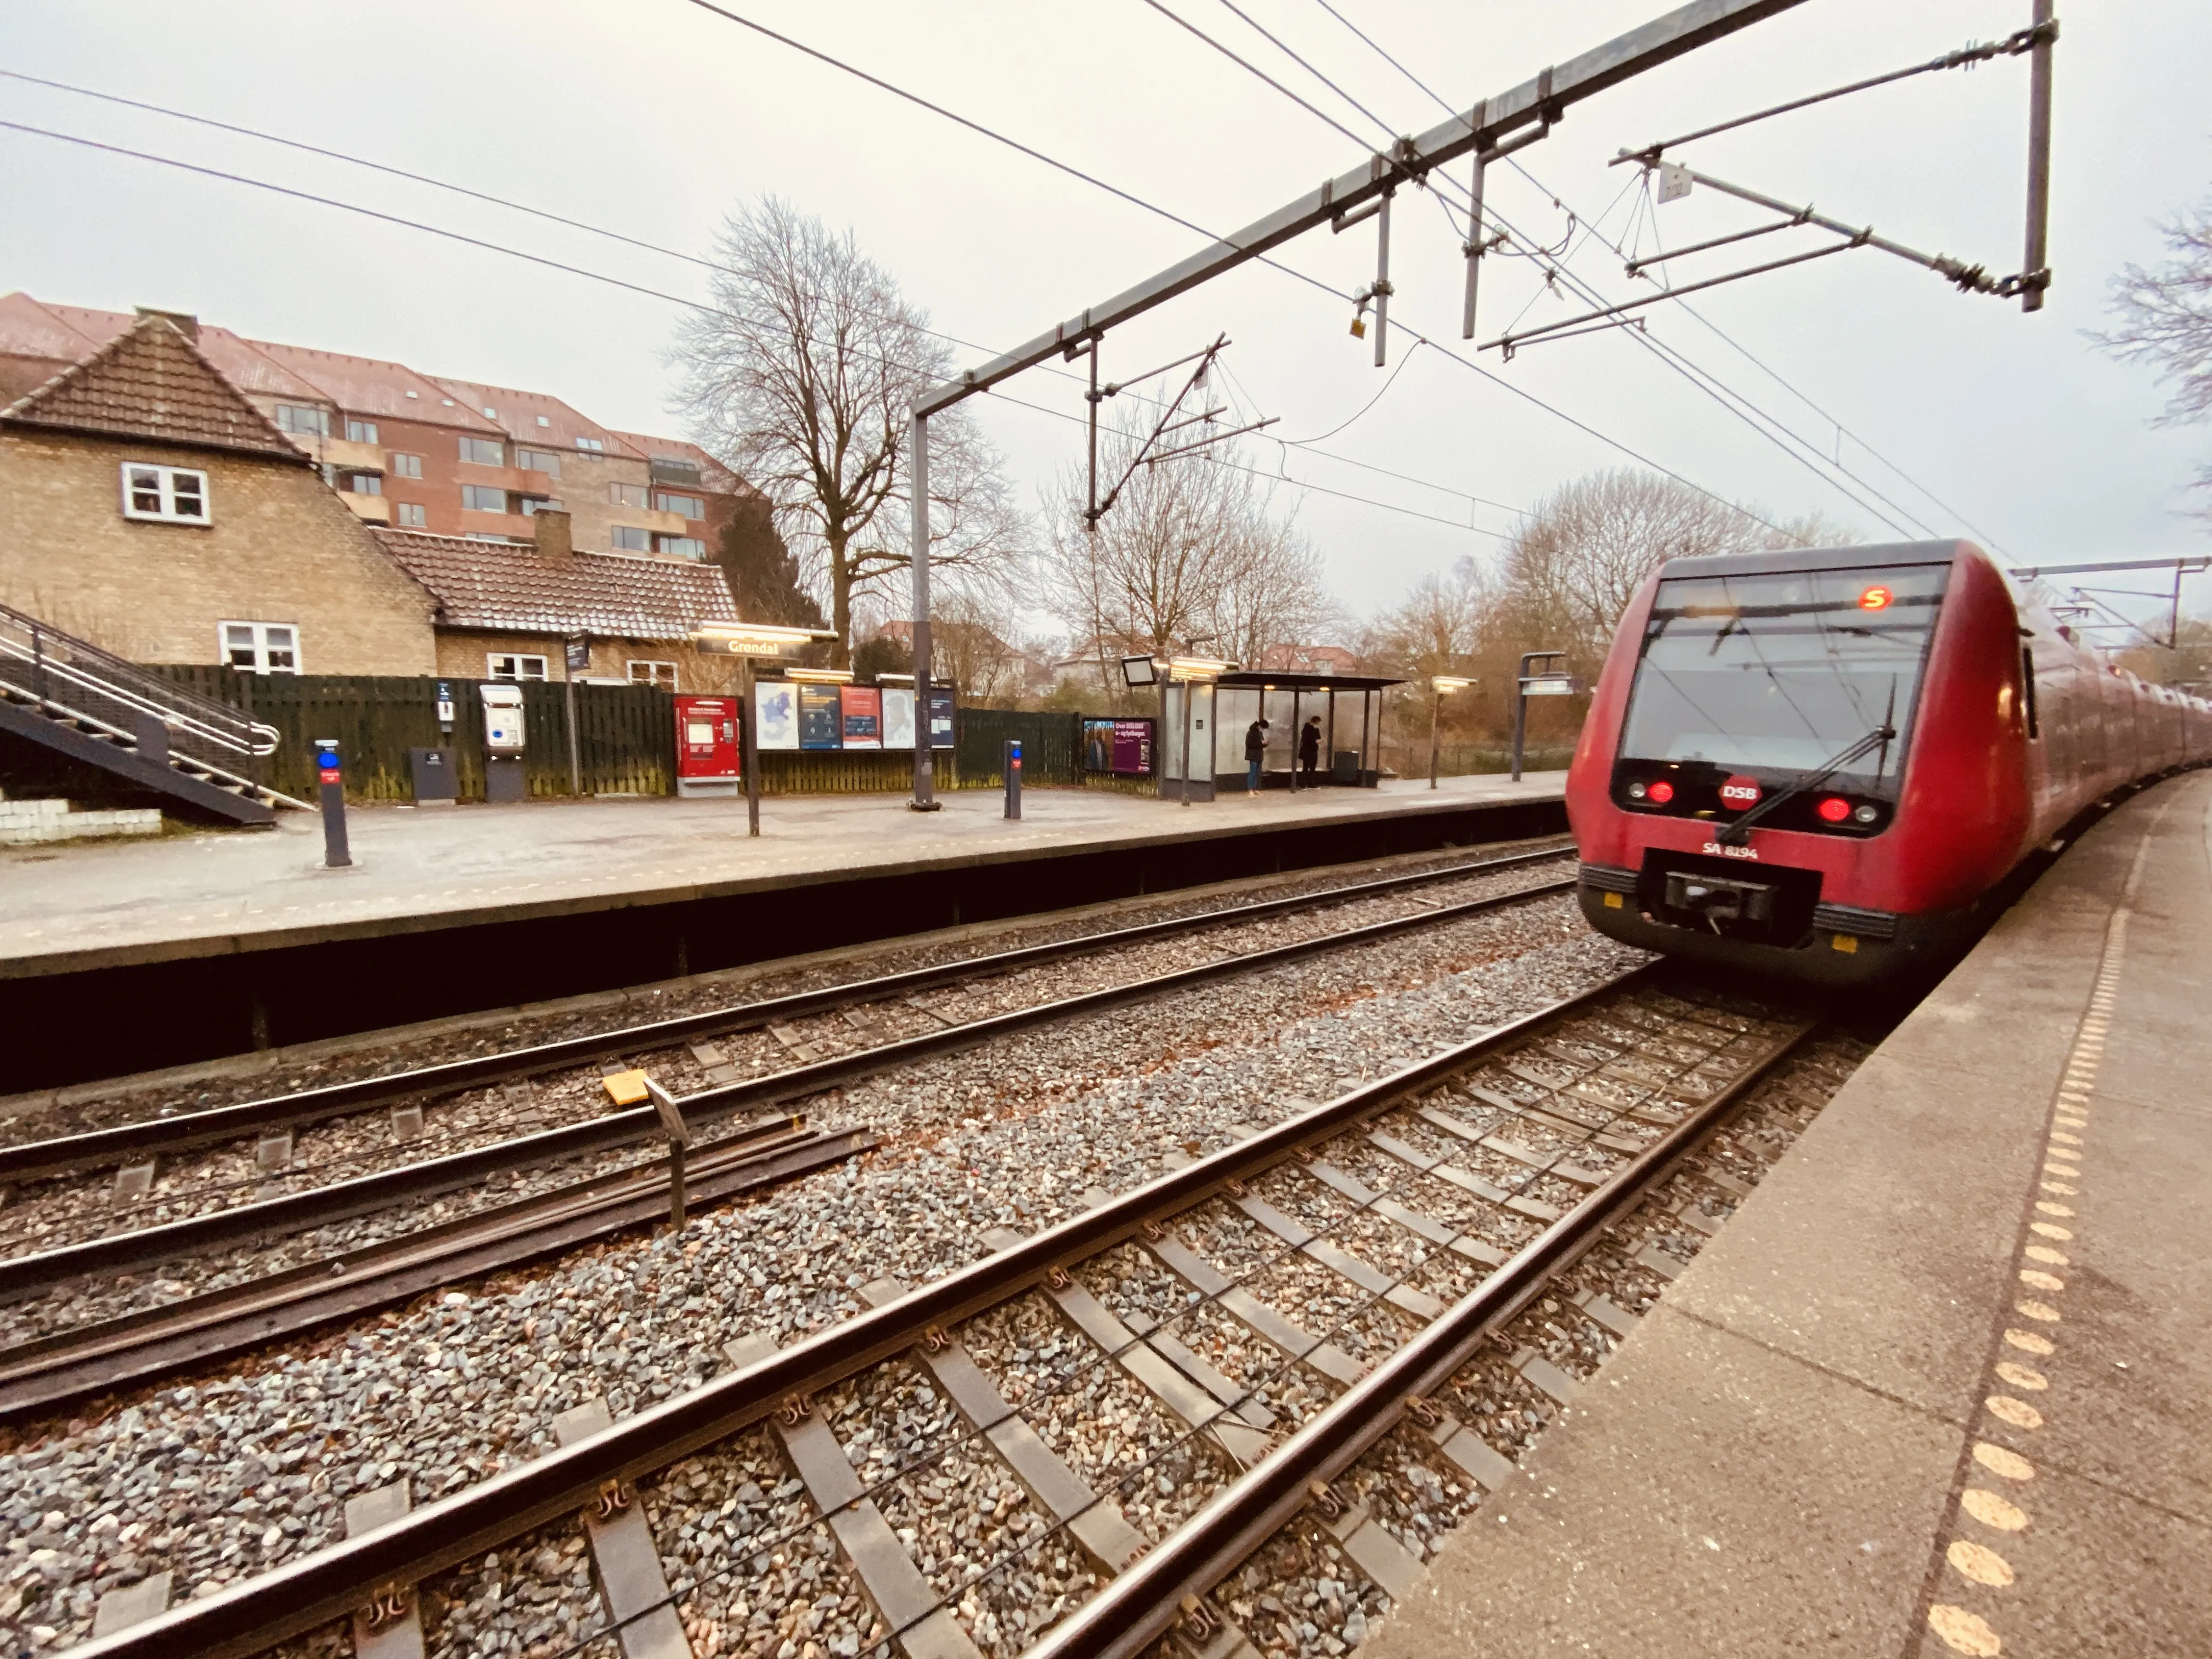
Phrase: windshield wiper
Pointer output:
(1738, 834)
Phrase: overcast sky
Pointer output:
(1957, 414)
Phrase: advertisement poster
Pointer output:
(940, 718)
(1123, 748)
(898, 718)
(777, 707)
(821, 717)
(862, 707)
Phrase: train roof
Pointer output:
(1866, 557)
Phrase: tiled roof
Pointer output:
(712, 473)
(513, 586)
(533, 418)
(371, 385)
(152, 382)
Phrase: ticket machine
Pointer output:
(707, 752)
(504, 741)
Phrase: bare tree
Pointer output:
(1191, 551)
(2165, 320)
(801, 377)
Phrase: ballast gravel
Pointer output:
(225, 1476)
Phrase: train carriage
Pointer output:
(1823, 762)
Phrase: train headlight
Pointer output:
(1662, 792)
(1835, 809)
(1636, 792)
(1864, 814)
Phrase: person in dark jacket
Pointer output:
(1309, 749)
(1256, 754)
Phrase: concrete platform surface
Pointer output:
(1944, 1383)
(454, 866)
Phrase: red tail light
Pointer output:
(1663, 791)
(1835, 809)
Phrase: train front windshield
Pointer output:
(1782, 671)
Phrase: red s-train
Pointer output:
(1821, 763)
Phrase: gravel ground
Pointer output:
(33, 1118)
(47, 1215)
(1409, 960)
(227, 1475)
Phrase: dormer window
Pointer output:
(164, 494)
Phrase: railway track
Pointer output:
(1251, 1323)
(624, 1189)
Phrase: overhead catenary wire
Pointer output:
(702, 262)
(1714, 328)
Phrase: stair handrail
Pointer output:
(177, 708)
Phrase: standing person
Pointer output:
(1255, 753)
(1309, 749)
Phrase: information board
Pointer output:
(821, 717)
(777, 707)
(940, 717)
(899, 717)
(1123, 748)
(862, 708)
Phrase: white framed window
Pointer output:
(513, 665)
(484, 452)
(689, 547)
(303, 418)
(537, 460)
(409, 516)
(537, 504)
(662, 674)
(406, 467)
(360, 432)
(482, 498)
(689, 506)
(544, 421)
(627, 494)
(164, 494)
(597, 446)
(361, 483)
(628, 538)
(254, 648)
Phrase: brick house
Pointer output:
(147, 505)
(416, 451)
(505, 610)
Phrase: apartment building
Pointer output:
(410, 451)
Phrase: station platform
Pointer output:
(222, 941)
(1943, 1384)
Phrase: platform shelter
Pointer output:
(1217, 712)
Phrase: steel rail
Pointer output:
(37, 1159)
(1141, 1604)
(341, 1201)
(250, 1617)
(49, 1371)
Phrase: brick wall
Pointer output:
(280, 547)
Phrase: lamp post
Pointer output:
(744, 641)
(1440, 687)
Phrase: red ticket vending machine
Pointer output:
(707, 752)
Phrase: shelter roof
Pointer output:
(513, 586)
(1246, 679)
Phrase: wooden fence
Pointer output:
(625, 735)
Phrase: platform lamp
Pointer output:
(1442, 686)
(744, 641)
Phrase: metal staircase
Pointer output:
(91, 707)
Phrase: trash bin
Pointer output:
(1344, 767)
(433, 770)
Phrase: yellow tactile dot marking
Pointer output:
(2034, 1309)
(2041, 1280)
(2021, 1378)
(2061, 1189)
(1979, 1563)
(1964, 1632)
(2029, 1342)
(2044, 1253)
(2071, 1140)
(2018, 1412)
(1998, 1460)
(1999, 1513)
(2052, 1209)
